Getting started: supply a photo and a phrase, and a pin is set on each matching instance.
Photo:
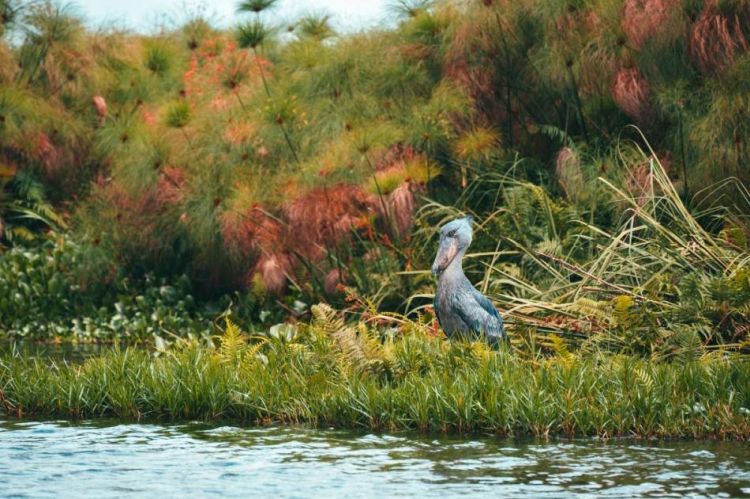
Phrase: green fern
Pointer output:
(233, 343)
(359, 350)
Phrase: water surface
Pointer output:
(60, 352)
(63, 459)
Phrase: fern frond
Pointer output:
(644, 378)
(232, 343)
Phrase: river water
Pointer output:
(61, 459)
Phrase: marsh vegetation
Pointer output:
(155, 186)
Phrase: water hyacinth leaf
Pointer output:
(283, 332)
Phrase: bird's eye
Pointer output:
(452, 233)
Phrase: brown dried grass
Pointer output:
(49, 155)
(569, 174)
(632, 93)
(395, 155)
(272, 271)
(334, 281)
(402, 208)
(323, 218)
(717, 38)
(251, 233)
(640, 181)
(642, 19)
(171, 185)
(463, 62)
(100, 105)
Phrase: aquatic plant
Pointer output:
(331, 374)
(66, 291)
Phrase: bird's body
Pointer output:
(462, 311)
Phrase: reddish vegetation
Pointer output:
(252, 232)
(101, 107)
(149, 116)
(632, 93)
(401, 207)
(325, 216)
(171, 184)
(641, 19)
(239, 132)
(640, 183)
(717, 38)
(396, 155)
(136, 226)
(334, 281)
(568, 169)
(461, 65)
(273, 269)
(256, 235)
(310, 226)
(47, 154)
(220, 63)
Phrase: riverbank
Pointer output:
(331, 375)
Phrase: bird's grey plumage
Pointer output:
(461, 310)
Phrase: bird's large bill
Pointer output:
(445, 255)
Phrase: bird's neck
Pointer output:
(454, 269)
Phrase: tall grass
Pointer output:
(657, 278)
(331, 374)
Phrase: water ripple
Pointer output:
(60, 459)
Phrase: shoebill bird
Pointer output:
(461, 310)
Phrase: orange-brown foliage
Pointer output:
(323, 218)
(632, 93)
(257, 235)
(397, 154)
(641, 19)
(47, 153)
(218, 64)
(334, 281)
(171, 185)
(640, 182)
(717, 38)
(273, 269)
(252, 232)
(402, 207)
(100, 104)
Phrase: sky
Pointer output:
(145, 15)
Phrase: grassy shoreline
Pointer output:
(324, 376)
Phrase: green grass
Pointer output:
(329, 374)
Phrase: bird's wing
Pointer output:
(481, 315)
(435, 309)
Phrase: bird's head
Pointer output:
(455, 237)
